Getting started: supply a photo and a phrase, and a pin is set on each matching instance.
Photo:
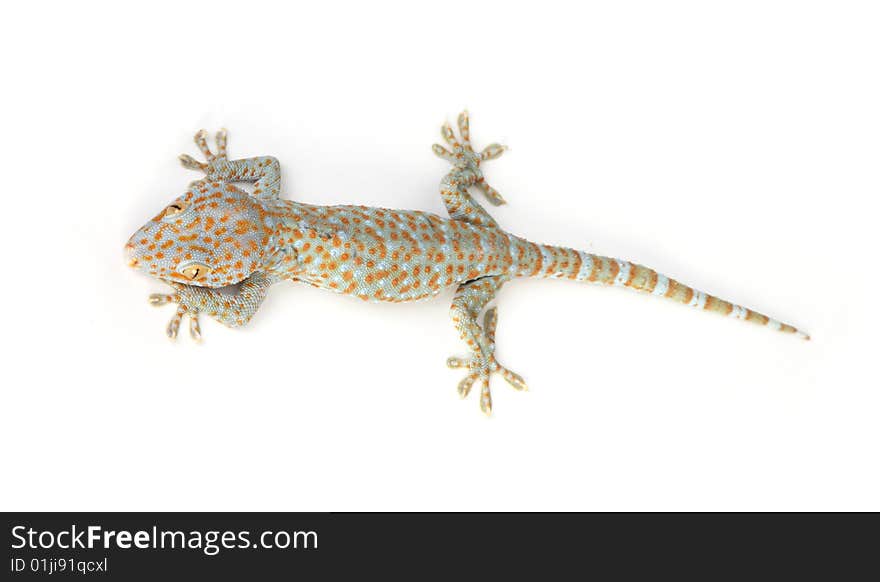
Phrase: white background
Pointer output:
(734, 146)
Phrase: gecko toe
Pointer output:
(191, 163)
(464, 387)
(174, 325)
(195, 330)
(159, 299)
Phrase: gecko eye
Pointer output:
(174, 209)
(195, 271)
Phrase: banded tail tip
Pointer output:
(785, 328)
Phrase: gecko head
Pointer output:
(213, 235)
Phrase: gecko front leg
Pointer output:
(263, 171)
(233, 309)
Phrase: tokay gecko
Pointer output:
(221, 248)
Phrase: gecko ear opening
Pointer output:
(194, 271)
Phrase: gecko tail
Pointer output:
(563, 263)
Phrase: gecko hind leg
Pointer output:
(469, 301)
(466, 172)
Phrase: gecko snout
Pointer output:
(130, 259)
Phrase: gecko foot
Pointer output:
(201, 139)
(195, 330)
(464, 158)
(481, 367)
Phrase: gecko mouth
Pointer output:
(130, 260)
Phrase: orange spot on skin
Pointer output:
(756, 317)
(688, 295)
(598, 266)
(615, 269)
